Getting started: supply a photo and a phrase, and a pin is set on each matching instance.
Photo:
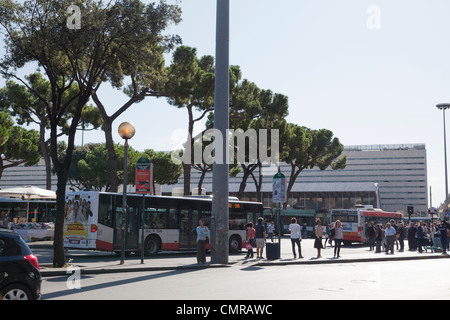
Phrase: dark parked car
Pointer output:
(20, 278)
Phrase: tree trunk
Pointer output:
(45, 155)
(114, 180)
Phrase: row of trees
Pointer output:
(122, 43)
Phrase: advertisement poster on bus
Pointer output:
(79, 224)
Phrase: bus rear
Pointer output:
(352, 224)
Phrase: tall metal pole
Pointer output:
(124, 203)
(220, 220)
(445, 155)
(443, 107)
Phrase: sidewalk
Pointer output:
(95, 262)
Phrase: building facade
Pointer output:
(390, 177)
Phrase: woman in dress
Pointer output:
(319, 234)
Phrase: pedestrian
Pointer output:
(443, 229)
(395, 227)
(401, 236)
(327, 236)
(250, 238)
(412, 237)
(338, 238)
(270, 227)
(296, 237)
(202, 236)
(304, 229)
(371, 233)
(260, 238)
(420, 236)
(389, 232)
(318, 234)
(378, 238)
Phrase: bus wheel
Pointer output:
(152, 245)
(235, 243)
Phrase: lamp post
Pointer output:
(443, 107)
(126, 131)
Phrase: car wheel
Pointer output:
(16, 292)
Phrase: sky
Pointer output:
(370, 71)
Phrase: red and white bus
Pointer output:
(94, 221)
(355, 221)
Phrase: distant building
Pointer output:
(390, 177)
(26, 176)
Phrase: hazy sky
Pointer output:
(370, 71)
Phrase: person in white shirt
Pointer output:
(296, 237)
(390, 238)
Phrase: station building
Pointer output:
(391, 177)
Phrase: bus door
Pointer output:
(188, 226)
(132, 228)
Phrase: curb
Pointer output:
(87, 271)
(339, 261)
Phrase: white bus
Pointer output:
(355, 221)
(94, 221)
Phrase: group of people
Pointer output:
(335, 233)
(418, 236)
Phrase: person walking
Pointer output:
(250, 238)
(296, 237)
(371, 233)
(338, 238)
(420, 236)
(319, 234)
(389, 232)
(401, 236)
(270, 227)
(412, 237)
(443, 228)
(378, 238)
(260, 238)
(202, 234)
(327, 236)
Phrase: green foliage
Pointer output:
(165, 171)
(17, 145)
(94, 169)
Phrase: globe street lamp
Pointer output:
(443, 107)
(126, 131)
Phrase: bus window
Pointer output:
(155, 218)
(172, 222)
(105, 213)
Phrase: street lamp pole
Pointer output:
(220, 220)
(126, 131)
(443, 107)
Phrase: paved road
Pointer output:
(417, 279)
(359, 274)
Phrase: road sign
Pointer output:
(144, 176)
(279, 188)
